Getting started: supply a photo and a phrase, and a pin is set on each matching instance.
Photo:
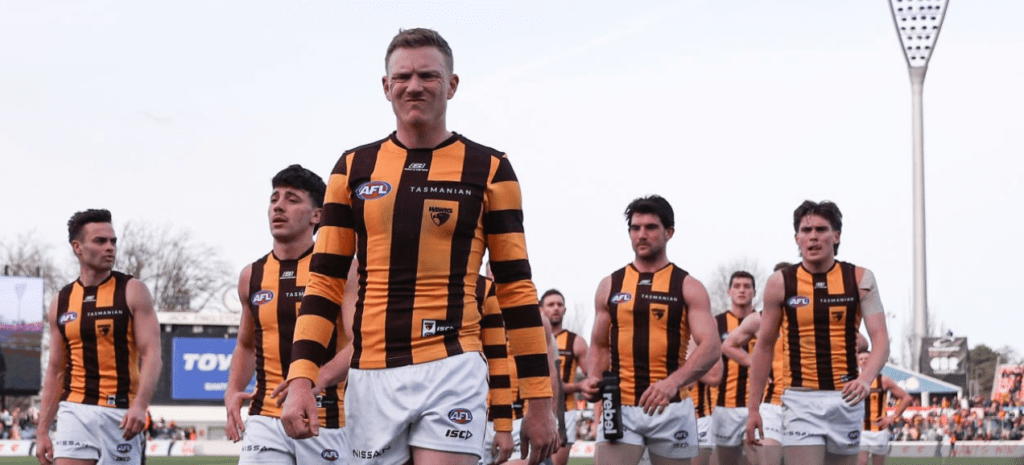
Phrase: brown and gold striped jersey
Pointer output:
(777, 376)
(820, 320)
(492, 334)
(649, 329)
(421, 220)
(275, 293)
(569, 363)
(102, 361)
(732, 393)
(703, 402)
(874, 405)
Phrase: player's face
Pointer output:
(862, 358)
(816, 239)
(292, 214)
(554, 308)
(648, 235)
(418, 85)
(741, 291)
(96, 246)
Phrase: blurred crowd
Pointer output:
(19, 424)
(980, 419)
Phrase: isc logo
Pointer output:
(330, 454)
(373, 190)
(621, 298)
(262, 297)
(798, 301)
(460, 416)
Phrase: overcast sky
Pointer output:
(179, 113)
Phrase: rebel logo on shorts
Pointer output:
(68, 318)
(460, 415)
(621, 298)
(330, 454)
(262, 297)
(798, 301)
(681, 434)
(124, 448)
(373, 190)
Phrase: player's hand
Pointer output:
(233, 401)
(502, 447)
(44, 448)
(299, 417)
(539, 432)
(590, 389)
(657, 397)
(754, 425)
(855, 391)
(133, 422)
(885, 421)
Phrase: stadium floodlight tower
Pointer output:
(918, 23)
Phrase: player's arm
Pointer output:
(904, 400)
(316, 324)
(707, 350)
(52, 385)
(764, 351)
(147, 342)
(735, 345)
(599, 355)
(492, 334)
(243, 362)
(874, 319)
(517, 297)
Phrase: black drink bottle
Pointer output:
(611, 406)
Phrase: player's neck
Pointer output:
(650, 265)
(819, 266)
(292, 250)
(89, 276)
(555, 329)
(741, 311)
(422, 137)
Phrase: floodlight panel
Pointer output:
(918, 23)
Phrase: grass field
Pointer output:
(234, 460)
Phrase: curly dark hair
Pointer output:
(654, 204)
(825, 209)
(82, 218)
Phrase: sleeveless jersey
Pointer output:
(732, 393)
(874, 405)
(420, 221)
(649, 328)
(777, 376)
(99, 343)
(569, 363)
(703, 402)
(275, 293)
(820, 320)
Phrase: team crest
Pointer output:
(798, 301)
(658, 313)
(837, 315)
(621, 298)
(68, 318)
(373, 190)
(262, 297)
(104, 329)
(440, 215)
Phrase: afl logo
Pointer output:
(68, 318)
(124, 448)
(460, 416)
(373, 190)
(262, 297)
(621, 298)
(330, 454)
(798, 301)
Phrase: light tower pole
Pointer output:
(918, 23)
